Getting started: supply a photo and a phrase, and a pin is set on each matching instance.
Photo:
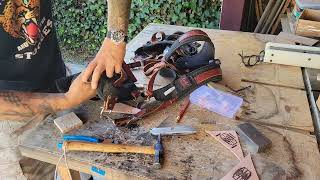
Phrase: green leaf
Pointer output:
(81, 25)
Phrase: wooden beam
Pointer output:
(284, 8)
(276, 17)
(63, 172)
(285, 25)
(297, 39)
(257, 10)
(264, 16)
(271, 16)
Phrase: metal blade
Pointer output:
(178, 130)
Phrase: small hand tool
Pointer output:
(81, 138)
(92, 144)
(177, 130)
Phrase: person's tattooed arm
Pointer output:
(118, 15)
(24, 106)
(110, 57)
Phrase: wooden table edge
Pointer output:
(75, 164)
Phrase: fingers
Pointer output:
(110, 71)
(96, 76)
(88, 72)
(117, 68)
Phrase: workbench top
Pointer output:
(276, 105)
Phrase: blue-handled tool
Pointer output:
(79, 138)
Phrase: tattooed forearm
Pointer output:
(10, 97)
(19, 106)
(118, 15)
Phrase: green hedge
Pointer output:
(81, 24)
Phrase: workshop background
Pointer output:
(272, 91)
(81, 24)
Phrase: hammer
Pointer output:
(156, 150)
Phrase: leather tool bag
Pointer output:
(186, 58)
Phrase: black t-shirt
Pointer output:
(30, 58)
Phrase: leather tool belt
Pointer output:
(187, 59)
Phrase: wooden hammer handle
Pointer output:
(108, 148)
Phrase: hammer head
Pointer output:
(158, 155)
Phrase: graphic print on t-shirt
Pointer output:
(20, 19)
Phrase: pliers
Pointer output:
(79, 138)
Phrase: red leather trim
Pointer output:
(189, 34)
(122, 78)
(206, 75)
(128, 71)
(149, 91)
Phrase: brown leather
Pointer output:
(128, 71)
(110, 102)
(122, 78)
(149, 91)
(192, 33)
(206, 75)
(154, 70)
(159, 36)
(153, 63)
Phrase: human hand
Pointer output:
(109, 59)
(79, 92)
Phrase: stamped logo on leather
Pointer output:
(184, 82)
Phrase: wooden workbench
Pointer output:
(276, 104)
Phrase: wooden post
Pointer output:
(64, 174)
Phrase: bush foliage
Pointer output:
(81, 24)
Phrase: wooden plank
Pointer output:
(271, 16)
(285, 25)
(297, 39)
(228, 45)
(63, 172)
(291, 21)
(308, 28)
(283, 10)
(186, 157)
(260, 7)
(264, 16)
(269, 104)
(258, 15)
(275, 107)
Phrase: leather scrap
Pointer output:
(243, 171)
(125, 109)
(230, 140)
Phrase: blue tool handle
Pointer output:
(81, 138)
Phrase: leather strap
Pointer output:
(191, 36)
(191, 69)
(187, 83)
(128, 120)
